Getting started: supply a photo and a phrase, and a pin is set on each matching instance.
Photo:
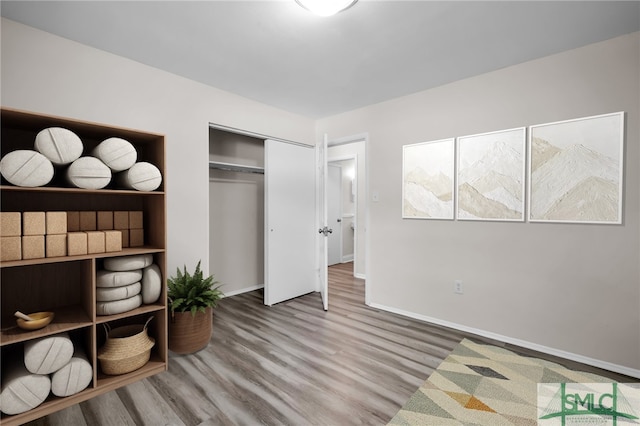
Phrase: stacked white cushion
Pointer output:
(22, 390)
(141, 176)
(117, 279)
(109, 294)
(118, 306)
(47, 354)
(59, 145)
(118, 154)
(26, 168)
(73, 377)
(128, 263)
(151, 283)
(89, 173)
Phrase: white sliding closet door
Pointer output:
(290, 221)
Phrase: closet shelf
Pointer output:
(235, 167)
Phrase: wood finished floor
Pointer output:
(290, 364)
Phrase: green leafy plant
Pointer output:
(192, 293)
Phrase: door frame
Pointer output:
(361, 137)
(337, 229)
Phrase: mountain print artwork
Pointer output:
(491, 176)
(576, 170)
(428, 174)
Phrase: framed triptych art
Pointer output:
(576, 171)
(428, 180)
(491, 173)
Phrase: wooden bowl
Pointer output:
(40, 320)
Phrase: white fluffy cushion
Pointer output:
(47, 354)
(117, 279)
(118, 306)
(59, 145)
(109, 294)
(22, 390)
(141, 176)
(26, 168)
(128, 263)
(151, 283)
(88, 173)
(118, 154)
(73, 377)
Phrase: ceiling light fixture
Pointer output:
(326, 7)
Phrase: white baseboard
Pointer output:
(347, 258)
(627, 371)
(361, 276)
(243, 290)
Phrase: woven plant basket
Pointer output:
(190, 333)
(127, 348)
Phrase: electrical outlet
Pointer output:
(457, 287)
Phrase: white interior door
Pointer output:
(321, 214)
(290, 226)
(334, 213)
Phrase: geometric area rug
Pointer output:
(481, 384)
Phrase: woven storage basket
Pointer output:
(127, 348)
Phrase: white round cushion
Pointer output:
(89, 173)
(21, 390)
(117, 279)
(118, 306)
(59, 145)
(73, 377)
(128, 263)
(141, 176)
(47, 354)
(109, 294)
(26, 168)
(151, 283)
(118, 154)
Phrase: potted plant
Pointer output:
(191, 300)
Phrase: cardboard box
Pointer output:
(136, 220)
(95, 242)
(73, 221)
(34, 223)
(76, 243)
(121, 220)
(88, 221)
(112, 241)
(136, 237)
(56, 245)
(10, 248)
(105, 221)
(10, 224)
(125, 237)
(56, 223)
(32, 246)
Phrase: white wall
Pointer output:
(567, 287)
(51, 75)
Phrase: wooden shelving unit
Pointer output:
(66, 285)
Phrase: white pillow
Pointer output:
(59, 145)
(151, 283)
(89, 173)
(141, 176)
(21, 390)
(48, 354)
(109, 294)
(26, 168)
(73, 377)
(118, 306)
(117, 279)
(128, 263)
(118, 154)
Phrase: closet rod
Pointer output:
(235, 167)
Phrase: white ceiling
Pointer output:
(278, 53)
